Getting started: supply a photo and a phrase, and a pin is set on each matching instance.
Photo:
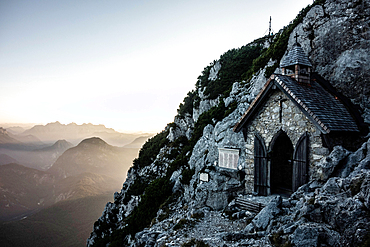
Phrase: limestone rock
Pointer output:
(263, 218)
(311, 235)
(331, 210)
(214, 71)
(327, 165)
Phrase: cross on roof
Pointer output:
(296, 37)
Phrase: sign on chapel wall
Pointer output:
(228, 158)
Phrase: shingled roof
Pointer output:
(325, 111)
(295, 56)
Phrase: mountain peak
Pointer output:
(62, 143)
(93, 141)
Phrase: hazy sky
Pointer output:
(125, 64)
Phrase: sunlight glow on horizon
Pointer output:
(127, 65)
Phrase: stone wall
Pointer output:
(293, 122)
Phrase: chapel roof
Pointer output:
(326, 111)
(295, 56)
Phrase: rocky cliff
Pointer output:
(164, 202)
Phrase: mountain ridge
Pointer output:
(75, 133)
(91, 155)
(169, 168)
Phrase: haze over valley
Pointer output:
(185, 123)
(48, 168)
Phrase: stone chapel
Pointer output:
(293, 123)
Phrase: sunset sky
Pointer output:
(125, 64)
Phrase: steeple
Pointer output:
(298, 62)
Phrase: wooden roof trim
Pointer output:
(254, 106)
(251, 107)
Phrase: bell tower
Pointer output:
(296, 64)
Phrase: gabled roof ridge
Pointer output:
(323, 109)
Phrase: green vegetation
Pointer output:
(366, 242)
(187, 106)
(137, 188)
(240, 64)
(154, 196)
(278, 47)
(197, 216)
(311, 201)
(150, 150)
(236, 65)
(187, 174)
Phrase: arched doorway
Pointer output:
(281, 164)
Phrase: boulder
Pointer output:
(326, 166)
(263, 218)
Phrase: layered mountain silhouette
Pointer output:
(6, 159)
(91, 168)
(40, 146)
(65, 199)
(23, 190)
(34, 157)
(6, 139)
(75, 133)
(93, 155)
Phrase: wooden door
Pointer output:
(261, 171)
(300, 162)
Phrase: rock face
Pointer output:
(331, 210)
(337, 38)
(331, 213)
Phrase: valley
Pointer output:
(57, 189)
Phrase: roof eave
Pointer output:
(254, 106)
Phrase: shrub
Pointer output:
(150, 150)
(187, 105)
(187, 174)
(197, 216)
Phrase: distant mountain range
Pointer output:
(74, 133)
(78, 182)
(35, 156)
(40, 146)
(91, 168)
